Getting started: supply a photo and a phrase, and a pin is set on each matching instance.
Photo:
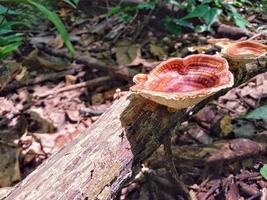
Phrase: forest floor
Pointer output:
(48, 98)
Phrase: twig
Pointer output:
(40, 79)
(146, 21)
(257, 35)
(245, 100)
(227, 108)
(92, 62)
(75, 86)
(211, 190)
(87, 60)
(169, 158)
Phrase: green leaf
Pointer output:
(211, 16)
(6, 27)
(126, 18)
(129, 9)
(171, 26)
(6, 50)
(199, 11)
(72, 3)
(263, 171)
(53, 17)
(259, 113)
(239, 20)
(146, 6)
(183, 22)
(201, 28)
(4, 9)
(13, 38)
(114, 10)
(206, 1)
(175, 3)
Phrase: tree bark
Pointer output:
(98, 162)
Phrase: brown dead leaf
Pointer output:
(157, 51)
(57, 42)
(125, 52)
(9, 166)
(6, 106)
(226, 125)
(70, 79)
(199, 134)
(38, 123)
(36, 59)
(52, 62)
(97, 99)
(8, 72)
(148, 65)
(73, 115)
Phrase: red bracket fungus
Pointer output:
(243, 52)
(183, 82)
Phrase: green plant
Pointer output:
(53, 17)
(207, 12)
(11, 39)
(126, 12)
(199, 15)
(72, 3)
(263, 171)
(258, 113)
(9, 43)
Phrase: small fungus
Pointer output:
(183, 82)
(243, 52)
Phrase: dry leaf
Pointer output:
(125, 52)
(157, 51)
(70, 79)
(226, 125)
(57, 42)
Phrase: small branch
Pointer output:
(257, 35)
(90, 83)
(169, 159)
(40, 79)
(87, 60)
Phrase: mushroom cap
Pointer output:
(183, 82)
(244, 51)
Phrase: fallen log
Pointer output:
(98, 163)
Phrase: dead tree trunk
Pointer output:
(97, 163)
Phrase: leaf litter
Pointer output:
(33, 128)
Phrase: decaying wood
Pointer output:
(99, 161)
(97, 164)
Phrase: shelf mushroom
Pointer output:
(183, 82)
(242, 52)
